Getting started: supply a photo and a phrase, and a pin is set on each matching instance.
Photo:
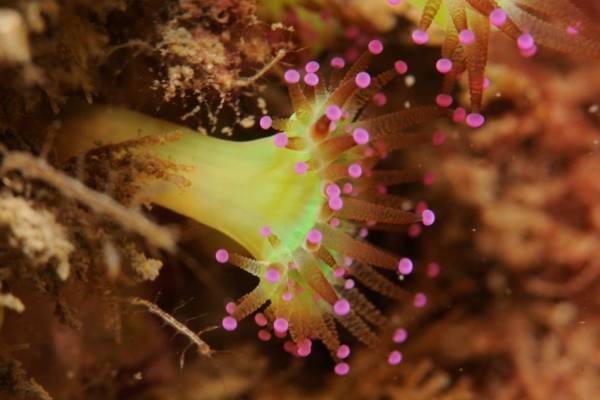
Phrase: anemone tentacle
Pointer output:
(555, 24)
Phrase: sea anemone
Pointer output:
(556, 24)
(299, 202)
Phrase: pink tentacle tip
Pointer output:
(291, 76)
(352, 31)
(338, 62)
(375, 47)
(444, 100)
(573, 30)
(342, 369)
(525, 41)
(355, 170)
(360, 136)
(280, 140)
(334, 222)
(341, 307)
(264, 335)
(280, 335)
(343, 352)
(301, 167)
(428, 217)
(265, 122)
(395, 358)
(280, 325)
(265, 231)
(362, 80)
(333, 112)
(272, 275)
(335, 203)
(528, 53)
(401, 67)
(349, 284)
(290, 347)
(314, 236)
(428, 178)
(380, 99)
(433, 269)
(287, 296)
(438, 138)
(229, 323)
(305, 343)
(311, 79)
(304, 351)
(414, 230)
(420, 36)
(459, 115)
(333, 190)
(443, 65)
(475, 120)
(260, 319)
(498, 17)
(339, 272)
(486, 83)
(394, 2)
(312, 67)
(405, 266)
(222, 256)
(347, 261)
(230, 307)
(466, 36)
(400, 335)
(420, 300)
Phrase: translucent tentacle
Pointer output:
(401, 141)
(247, 264)
(342, 93)
(327, 331)
(477, 58)
(358, 250)
(298, 98)
(456, 9)
(332, 148)
(451, 42)
(393, 177)
(359, 329)
(429, 12)
(394, 122)
(251, 302)
(389, 200)
(365, 308)
(310, 271)
(377, 282)
(324, 255)
(361, 210)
